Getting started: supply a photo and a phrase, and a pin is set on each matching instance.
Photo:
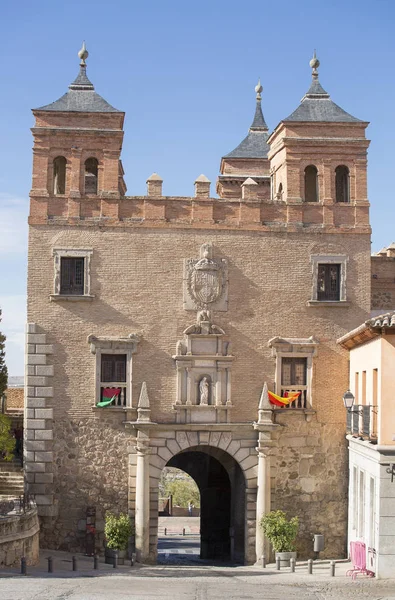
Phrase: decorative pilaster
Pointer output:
(142, 519)
(264, 425)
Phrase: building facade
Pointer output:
(155, 322)
(371, 438)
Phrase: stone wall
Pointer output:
(309, 475)
(90, 469)
(19, 536)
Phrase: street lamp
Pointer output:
(348, 400)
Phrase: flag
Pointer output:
(283, 401)
(108, 396)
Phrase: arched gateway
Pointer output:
(231, 468)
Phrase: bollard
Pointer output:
(165, 530)
(23, 566)
(50, 564)
(115, 560)
(292, 563)
(310, 566)
(74, 561)
(263, 561)
(183, 531)
(333, 566)
(278, 563)
(133, 559)
(95, 562)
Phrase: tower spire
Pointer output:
(82, 82)
(259, 123)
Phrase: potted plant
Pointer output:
(117, 530)
(282, 533)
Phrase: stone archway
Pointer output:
(222, 492)
(234, 447)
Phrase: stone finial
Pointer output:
(265, 413)
(258, 90)
(83, 55)
(202, 187)
(143, 407)
(249, 189)
(154, 185)
(314, 64)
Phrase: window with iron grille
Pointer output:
(294, 379)
(113, 378)
(328, 284)
(72, 275)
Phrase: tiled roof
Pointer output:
(385, 320)
(81, 97)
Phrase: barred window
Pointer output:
(294, 379)
(72, 275)
(113, 384)
(328, 283)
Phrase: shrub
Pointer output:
(7, 441)
(279, 531)
(117, 531)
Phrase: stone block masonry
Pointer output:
(38, 447)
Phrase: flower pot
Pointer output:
(109, 555)
(285, 558)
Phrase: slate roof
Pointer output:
(255, 144)
(81, 97)
(317, 106)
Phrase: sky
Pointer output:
(184, 72)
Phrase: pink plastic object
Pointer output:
(358, 560)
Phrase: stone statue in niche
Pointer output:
(204, 390)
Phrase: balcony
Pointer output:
(362, 421)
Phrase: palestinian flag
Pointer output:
(283, 401)
(109, 395)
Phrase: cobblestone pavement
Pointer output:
(194, 582)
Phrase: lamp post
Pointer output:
(348, 400)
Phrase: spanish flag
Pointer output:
(280, 401)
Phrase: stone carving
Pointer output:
(204, 390)
(203, 365)
(206, 282)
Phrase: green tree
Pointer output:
(3, 366)
(183, 492)
(7, 440)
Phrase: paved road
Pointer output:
(176, 582)
(178, 549)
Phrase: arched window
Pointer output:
(342, 184)
(91, 169)
(59, 175)
(280, 192)
(311, 184)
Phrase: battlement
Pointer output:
(249, 211)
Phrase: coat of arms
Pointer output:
(205, 282)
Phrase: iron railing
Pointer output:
(361, 421)
(15, 506)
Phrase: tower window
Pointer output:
(280, 192)
(311, 184)
(328, 287)
(59, 175)
(91, 170)
(72, 275)
(342, 175)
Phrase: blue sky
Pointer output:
(185, 72)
